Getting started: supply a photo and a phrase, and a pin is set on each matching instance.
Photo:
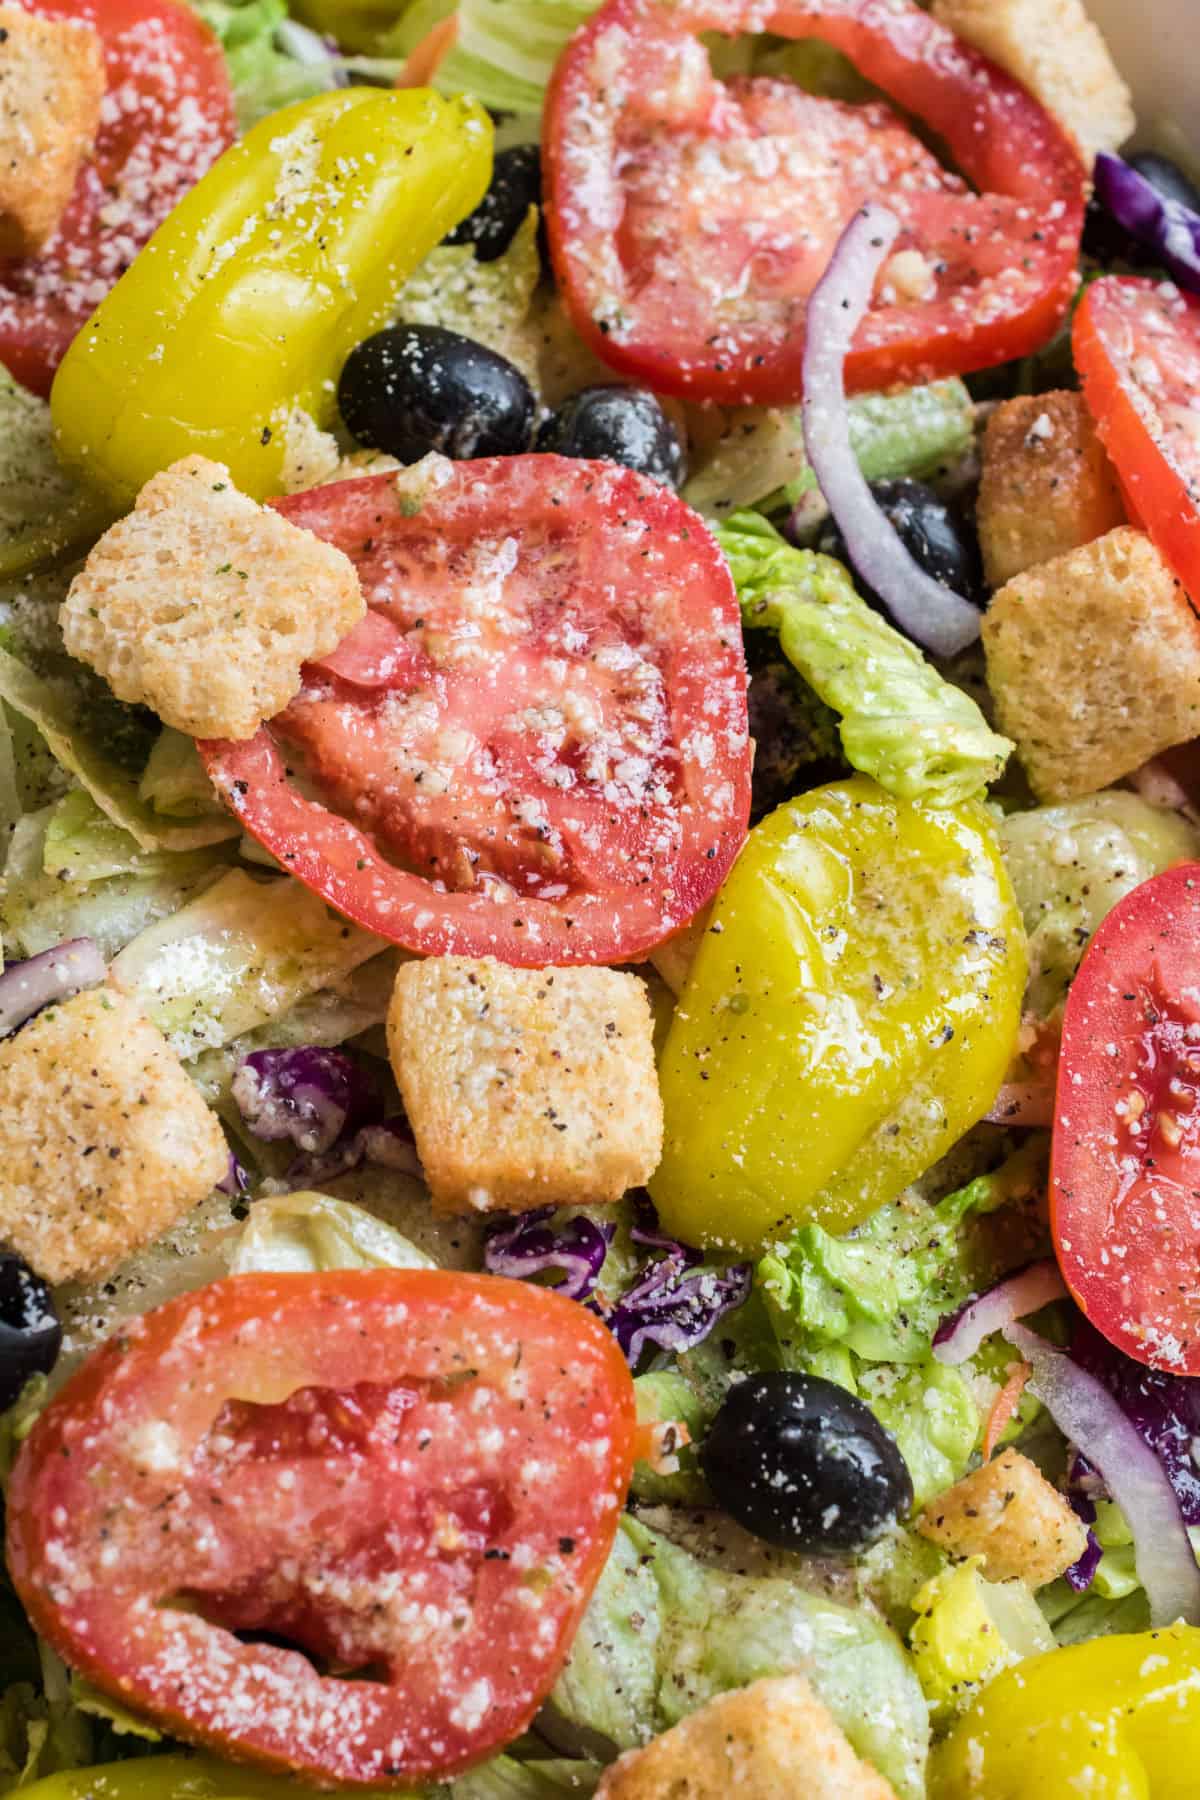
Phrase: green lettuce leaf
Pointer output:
(241, 953)
(667, 1631)
(883, 1290)
(310, 1232)
(490, 302)
(262, 72)
(759, 459)
(902, 723)
(44, 514)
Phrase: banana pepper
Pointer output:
(1114, 1719)
(850, 1012)
(243, 306)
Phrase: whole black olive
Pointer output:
(30, 1334)
(933, 532)
(516, 186)
(416, 388)
(617, 424)
(804, 1465)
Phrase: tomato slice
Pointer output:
(413, 1477)
(1137, 349)
(166, 115)
(690, 218)
(1125, 1167)
(536, 742)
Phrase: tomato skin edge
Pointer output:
(245, 1298)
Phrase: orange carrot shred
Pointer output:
(1005, 1405)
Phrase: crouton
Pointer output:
(203, 604)
(1055, 50)
(1008, 1513)
(104, 1141)
(525, 1086)
(1047, 484)
(1094, 663)
(51, 86)
(759, 1743)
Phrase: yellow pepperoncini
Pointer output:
(242, 308)
(850, 1012)
(1114, 1719)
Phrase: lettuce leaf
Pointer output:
(44, 514)
(902, 723)
(263, 73)
(312, 1232)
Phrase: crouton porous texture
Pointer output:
(1094, 663)
(1047, 485)
(204, 605)
(1008, 1513)
(760, 1742)
(51, 85)
(525, 1087)
(1055, 50)
(104, 1141)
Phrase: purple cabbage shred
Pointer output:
(307, 1094)
(674, 1305)
(530, 1246)
(1168, 227)
(1163, 1409)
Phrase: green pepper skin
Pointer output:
(850, 1012)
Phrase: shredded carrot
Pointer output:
(1005, 1405)
(423, 61)
(659, 1444)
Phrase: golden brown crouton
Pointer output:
(1047, 485)
(1094, 663)
(525, 1086)
(1055, 50)
(760, 1742)
(1008, 1513)
(203, 604)
(104, 1142)
(51, 86)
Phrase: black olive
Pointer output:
(796, 743)
(30, 1334)
(416, 388)
(934, 534)
(617, 424)
(804, 1465)
(516, 186)
(1107, 242)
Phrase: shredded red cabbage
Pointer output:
(674, 1305)
(1168, 227)
(388, 1144)
(530, 1246)
(236, 1180)
(307, 1094)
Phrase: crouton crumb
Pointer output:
(51, 86)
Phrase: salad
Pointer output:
(599, 1019)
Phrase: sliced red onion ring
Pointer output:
(1171, 229)
(941, 621)
(960, 1335)
(1086, 1413)
(1025, 1104)
(26, 987)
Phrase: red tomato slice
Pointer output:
(167, 114)
(1125, 1168)
(414, 1477)
(542, 718)
(690, 218)
(1137, 349)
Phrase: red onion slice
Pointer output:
(1086, 1413)
(940, 621)
(1028, 1291)
(53, 975)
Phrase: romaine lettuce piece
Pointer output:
(902, 723)
(311, 1232)
(507, 1779)
(666, 1632)
(503, 54)
(244, 952)
(759, 457)
(263, 72)
(104, 746)
(41, 908)
(930, 1410)
(1071, 863)
(174, 780)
